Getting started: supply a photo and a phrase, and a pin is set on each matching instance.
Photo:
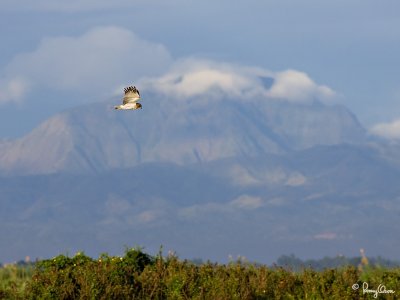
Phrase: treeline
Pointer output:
(137, 275)
(291, 262)
(20, 263)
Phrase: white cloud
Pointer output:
(277, 201)
(389, 131)
(246, 177)
(296, 179)
(192, 77)
(329, 236)
(117, 206)
(106, 58)
(95, 62)
(148, 216)
(196, 210)
(241, 176)
(325, 236)
(241, 203)
(297, 86)
(247, 202)
(13, 90)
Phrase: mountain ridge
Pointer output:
(206, 179)
(259, 207)
(94, 138)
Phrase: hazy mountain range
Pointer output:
(205, 177)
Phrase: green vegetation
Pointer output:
(14, 279)
(138, 275)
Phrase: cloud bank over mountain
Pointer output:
(249, 33)
(297, 86)
(194, 77)
(105, 59)
(390, 131)
(93, 63)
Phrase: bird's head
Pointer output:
(138, 105)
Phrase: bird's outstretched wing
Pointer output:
(132, 95)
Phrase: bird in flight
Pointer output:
(131, 98)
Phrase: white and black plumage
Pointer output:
(131, 98)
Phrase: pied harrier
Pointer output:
(131, 98)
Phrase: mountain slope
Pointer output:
(95, 138)
(205, 178)
(320, 201)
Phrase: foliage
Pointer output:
(137, 275)
(13, 280)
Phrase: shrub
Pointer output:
(138, 275)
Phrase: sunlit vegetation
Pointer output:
(137, 275)
(14, 279)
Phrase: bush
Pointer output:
(13, 280)
(138, 275)
(81, 277)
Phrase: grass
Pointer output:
(138, 275)
(14, 280)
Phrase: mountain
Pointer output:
(324, 200)
(208, 178)
(95, 138)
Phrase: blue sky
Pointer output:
(57, 54)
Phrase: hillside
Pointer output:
(95, 138)
(207, 179)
